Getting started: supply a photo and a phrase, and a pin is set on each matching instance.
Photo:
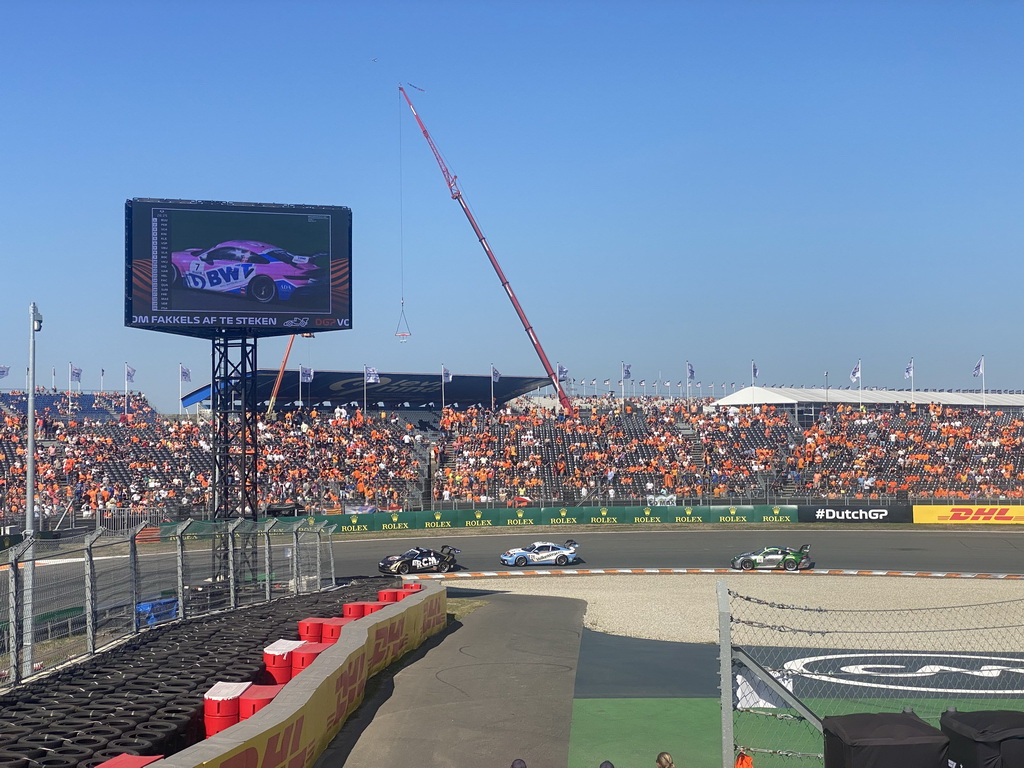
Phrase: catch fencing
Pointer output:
(785, 667)
(69, 597)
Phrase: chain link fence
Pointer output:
(787, 666)
(65, 598)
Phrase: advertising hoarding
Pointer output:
(214, 269)
(866, 513)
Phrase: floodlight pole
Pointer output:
(28, 572)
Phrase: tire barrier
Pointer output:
(145, 697)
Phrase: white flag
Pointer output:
(129, 373)
(186, 374)
(855, 373)
(625, 371)
(76, 374)
(305, 374)
(979, 369)
(371, 376)
(4, 370)
(495, 375)
(446, 375)
(908, 372)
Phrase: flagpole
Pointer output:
(126, 387)
(179, 388)
(687, 383)
(300, 403)
(69, 387)
(53, 378)
(826, 390)
(442, 386)
(860, 383)
(984, 403)
(622, 380)
(911, 381)
(492, 386)
(364, 388)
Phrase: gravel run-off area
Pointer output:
(684, 608)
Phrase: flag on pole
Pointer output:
(129, 373)
(76, 374)
(563, 373)
(305, 374)
(4, 370)
(697, 385)
(625, 371)
(103, 372)
(186, 373)
(855, 373)
(495, 375)
(753, 369)
(689, 372)
(668, 383)
(642, 382)
(607, 382)
(446, 375)
(908, 372)
(371, 376)
(593, 382)
(979, 369)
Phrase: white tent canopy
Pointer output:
(796, 395)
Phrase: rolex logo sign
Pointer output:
(354, 519)
(647, 511)
(563, 512)
(394, 517)
(519, 513)
(478, 514)
(604, 512)
(437, 515)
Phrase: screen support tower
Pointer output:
(233, 397)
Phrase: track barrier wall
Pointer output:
(302, 720)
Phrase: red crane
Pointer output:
(457, 196)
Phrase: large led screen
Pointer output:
(212, 269)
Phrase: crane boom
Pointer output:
(453, 187)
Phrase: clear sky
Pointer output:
(804, 184)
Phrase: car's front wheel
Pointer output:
(747, 564)
(521, 561)
(789, 565)
(403, 568)
(262, 289)
(561, 560)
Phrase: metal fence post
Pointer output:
(232, 576)
(15, 614)
(135, 577)
(725, 672)
(180, 547)
(90, 589)
(295, 561)
(330, 549)
(268, 560)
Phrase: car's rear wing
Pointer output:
(572, 544)
(806, 549)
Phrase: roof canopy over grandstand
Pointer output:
(394, 390)
(796, 395)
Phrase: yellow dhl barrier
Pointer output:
(965, 514)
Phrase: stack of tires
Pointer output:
(145, 696)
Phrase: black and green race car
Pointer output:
(775, 558)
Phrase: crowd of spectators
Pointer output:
(101, 452)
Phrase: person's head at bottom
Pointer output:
(517, 763)
(664, 760)
(607, 764)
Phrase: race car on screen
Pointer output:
(775, 558)
(542, 552)
(260, 271)
(419, 559)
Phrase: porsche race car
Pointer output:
(542, 552)
(419, 559)
(775, 558)
(260, 271)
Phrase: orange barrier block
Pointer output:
(332, 629)
(310, 630)
(130, 761)
(220, 706)
(278, 660)
(412, 586)
(390, 595)
(304, 656)
(256, 698)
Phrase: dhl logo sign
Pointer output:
(349, 685)
(389, 642)
(969, 515)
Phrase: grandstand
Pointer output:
(97, 453)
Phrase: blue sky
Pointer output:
(805, 184)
